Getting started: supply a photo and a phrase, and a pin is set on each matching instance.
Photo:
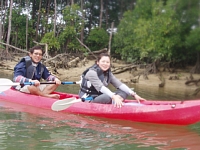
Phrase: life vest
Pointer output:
(30, 68)
(87, 87)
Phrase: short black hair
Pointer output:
(37, 47)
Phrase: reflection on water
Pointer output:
(23, 128)
(37, 129)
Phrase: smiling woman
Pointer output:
(96, 79)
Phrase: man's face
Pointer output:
(36, 56)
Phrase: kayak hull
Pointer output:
(161, 112)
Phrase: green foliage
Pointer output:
(97, 39)
(153, 29)
(72, 17)
(18, 29)
(157, 37)
(2, 46)
(73, 27)
(68, 37)
(125, 38)
(52, 42)
(193, 40)
(67, 33)
(151, 32)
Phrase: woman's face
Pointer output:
(104, 63)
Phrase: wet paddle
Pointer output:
(60, 105)
(6, 84)
(65, 103)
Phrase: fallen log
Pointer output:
(123, 69)
(104, 50)
(192, 82)
(74, 62)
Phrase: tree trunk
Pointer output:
(16, 36)
(27, 4)
(55, 17)
(9, 26)
(1, 21)
(83, 16)
(101, 14)
(72, 2)
(110, 39)
(107, 14)
(47, 15)
(33, 13)
(196, 68)
(38, 21)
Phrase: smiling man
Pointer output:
(30, 69)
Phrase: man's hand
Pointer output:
(57, 81)
(36, 82)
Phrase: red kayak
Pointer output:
(161, 112)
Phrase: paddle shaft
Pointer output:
(8, 82)
(65, 82)
(5, 84)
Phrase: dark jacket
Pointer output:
(24, 71)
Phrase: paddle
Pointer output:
(65, 103)
(6, 84)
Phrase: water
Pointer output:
(29, 128)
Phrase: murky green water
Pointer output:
(29, 128)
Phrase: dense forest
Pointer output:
(156, 32)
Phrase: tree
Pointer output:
(51, 40)
(55, 17)
(157, 37)
(9, 27)
(125, 37)
(27, 4)
(38, 21)
(192, 41)
(101, 14)
(73, 26)
(150, 31)
(97, 39)
(1, 21)
(189, 16)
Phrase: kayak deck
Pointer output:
(162, 112)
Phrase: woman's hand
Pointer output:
(118, 101)
(137, 97)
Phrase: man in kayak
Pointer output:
(30, 69)
(96, 79)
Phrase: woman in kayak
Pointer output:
(96, 79)
(30, 69)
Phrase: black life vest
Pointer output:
(91, 90)
(30, 68)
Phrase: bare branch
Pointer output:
(86, 48)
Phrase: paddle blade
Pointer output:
(6, 84)
(64, 104)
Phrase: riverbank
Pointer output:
(73, 74)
